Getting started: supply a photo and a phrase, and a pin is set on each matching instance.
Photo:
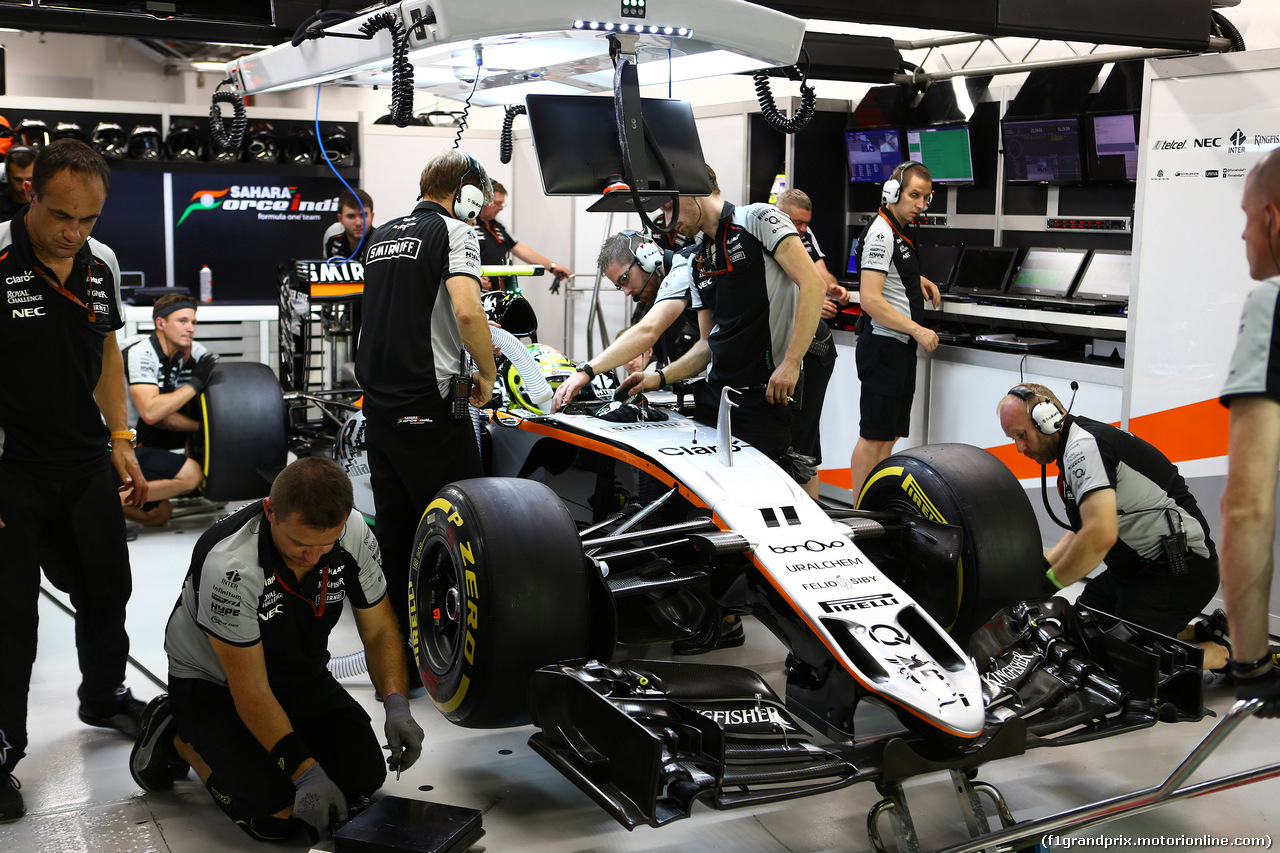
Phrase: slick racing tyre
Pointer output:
(243, 421)
(497, 589)
(1000, 560)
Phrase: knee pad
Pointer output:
(257, 827)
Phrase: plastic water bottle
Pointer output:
(206, 284)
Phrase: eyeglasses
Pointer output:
(626, 274)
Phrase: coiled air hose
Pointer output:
(504, 143)
(535, 384)
(401, 68)
(224, 140)
(769, 109)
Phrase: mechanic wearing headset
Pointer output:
(650, 276)
(252, 705)
(349, 237)
(1252, 393)
(65, 446)
(421, 308)
(892, 294)
(820, 360)
(166, 370)
(1128, 506)
(17, 171)
(497, 244)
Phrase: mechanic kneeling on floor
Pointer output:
(1128, 506)
(252, 705)
(166, 370)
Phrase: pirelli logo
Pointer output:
(861, 602)
(405, 247)
(921, 500)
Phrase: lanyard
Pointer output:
(67, 293)
(895, 229)
(317, 609)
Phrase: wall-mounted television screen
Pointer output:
(944, 151)
(873, 154)
(1113, 151)
(1045, 151)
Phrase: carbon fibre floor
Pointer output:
(80, 796)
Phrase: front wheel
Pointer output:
(498, 588)
(1001, 559)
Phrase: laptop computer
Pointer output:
(938, 263)
(1044, 278)
(981, 271)
(1103, 287)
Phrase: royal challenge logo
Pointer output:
(261, 202)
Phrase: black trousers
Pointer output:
(763, 425)
(407, 466)
(73, 526)
(334, 727)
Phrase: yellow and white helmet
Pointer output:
(555, 369)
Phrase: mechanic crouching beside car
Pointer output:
(1128, 506)
(252, 706)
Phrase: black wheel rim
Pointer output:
(442, 628)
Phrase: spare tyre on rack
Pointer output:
(243, 423)
(1001, 560)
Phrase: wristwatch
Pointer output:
(586, 368)
(552, 268)
(127, 434)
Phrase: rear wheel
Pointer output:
(1001, 559)
(243, 418)
(498, 588)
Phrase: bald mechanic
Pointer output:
(1252, 393)
(1128, 506)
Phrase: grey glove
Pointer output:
(404, 735)
(200, 371)
(1263, 683)
(319, 802)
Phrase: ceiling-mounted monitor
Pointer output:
(944, 151)
(576, 140)
(1111, 148)
(873, 154)
(1044, 151)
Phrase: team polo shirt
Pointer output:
(337, 247)
(886, 249)
(145, 364)
(52, 354)
(240, 591)
(1255, 366)
(751, 299)
(410, 345)
(811, 245)
(495, 241)
(1150, 493)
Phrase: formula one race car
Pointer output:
(615, 525)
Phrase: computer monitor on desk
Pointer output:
(938, 263)
(1104, 284)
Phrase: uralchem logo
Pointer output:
(278, 200)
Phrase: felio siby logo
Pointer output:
(258, 198)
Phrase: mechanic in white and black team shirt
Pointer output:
(892, 293)
(820, 360)
(1128, 506)
(252, 705)
(421, 308)
(166, 371)
(355, 218)
(65, 446)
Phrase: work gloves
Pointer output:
(318, 801)
(200, 371)
(404, 735)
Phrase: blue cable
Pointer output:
(364, 228)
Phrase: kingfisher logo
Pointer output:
(277, 202)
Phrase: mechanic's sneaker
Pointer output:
(1213, 629)
(123, 717)
(11, 805)
(718, 634)
(154, 763)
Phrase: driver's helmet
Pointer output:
(555, 369)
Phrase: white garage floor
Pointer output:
(80, 796)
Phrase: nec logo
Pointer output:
(1209, 142)
(22, 313)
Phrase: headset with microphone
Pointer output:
(469, 199)
(1048, 419)
(892, 189)
(647, 253)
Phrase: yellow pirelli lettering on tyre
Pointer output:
(921, 500)
(447, 508)
(473, 616)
